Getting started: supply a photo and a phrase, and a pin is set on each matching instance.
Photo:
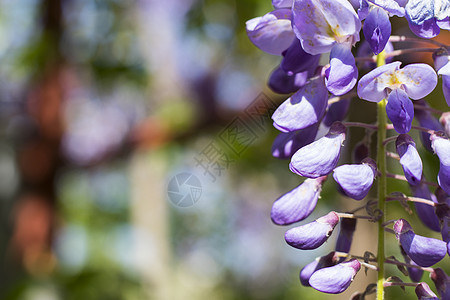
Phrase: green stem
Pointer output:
(381, 161)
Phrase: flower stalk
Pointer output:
(381, 163)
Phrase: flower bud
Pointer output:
(331, 259)
(442, 282)
(360, 152)
(297, 204)
(336, 111)
(336, 279)
(409, 158)
(356, 180)
(320, 157)
(296, 60)
(422, 250)
(424, 292)
(314, 234)
(426, 120)
(282, 83)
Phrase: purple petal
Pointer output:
(444, 23)
(282, 83)
(296, 60)
(272, 32)
(424, 292)
(441, 147)
(421, 18)
(442, 283)
(336, 112)
(446, 88)
(418, 80)
(424, 211)
(305, 108)
(400, 111)
(422, 250)
(355, 180)
(442, 64)
(319, 24)
(286, 144)
(328, 260)
(336, 279)
(391, 6)
(377, 29)
(409, 158)
(297, 204)
(342, 74)
(345, 237)
(320, 157)
(312, 235)
(372, 86)
(282, 3)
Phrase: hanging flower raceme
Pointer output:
(320, 157)
(409, 158)
(356, 180)
(398, 85)
(426, 18)
(329, 26)
(297, 204)
(422, 250)
(441, 147)
(335, 279)
(314, 234)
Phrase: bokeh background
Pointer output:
(102, 104)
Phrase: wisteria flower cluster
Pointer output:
(305, 33)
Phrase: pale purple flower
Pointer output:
(287, 143)
(314, 234)
(335, 279)
(422, 250)
(320, 157)
(414, 81)
(377, 29)
(356, 180)
(342, 74)
(305, 108)
(296, 60)
(272, 32)
(409, 158)
(425, 18)
(297, 204)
